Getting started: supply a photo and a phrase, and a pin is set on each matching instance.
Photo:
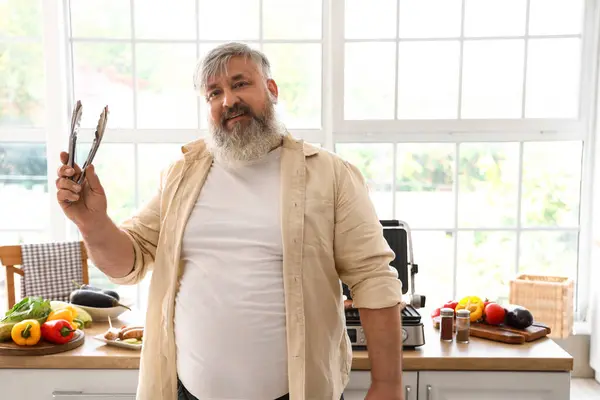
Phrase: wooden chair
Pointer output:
(11, 256)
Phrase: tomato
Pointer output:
(486, 302)
(435, 313)
(494, 314)
(451, 304)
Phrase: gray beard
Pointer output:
(244, 144)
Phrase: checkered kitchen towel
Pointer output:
(50, 269)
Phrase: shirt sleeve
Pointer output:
(362, 254)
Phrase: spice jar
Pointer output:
(446, 324)
(463, 326)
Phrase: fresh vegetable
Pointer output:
(436, 312)
(65, 314)
(82, 317)
(474, 304)
(90, 298)
(518, 317)
(494, 314)
(28, 308)
(450, 304)
(109, 292)
(58, 331)
(26, 332)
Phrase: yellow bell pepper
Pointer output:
(474, 304)
(26, 333)
(63, 313)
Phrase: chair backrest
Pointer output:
(12, 256)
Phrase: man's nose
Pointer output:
(229, 99)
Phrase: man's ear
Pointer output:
(272, 88)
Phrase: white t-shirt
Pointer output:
(230, 312)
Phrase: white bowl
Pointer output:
(102, 314)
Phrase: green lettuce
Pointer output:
(28, 308)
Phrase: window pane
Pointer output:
(555, 17)
(10, 238)
(435, 267)
(165, 19)
(375, 161)
(21, 18)
(553, 78)
(376, 20)
(369, 91)
(23, 186)
(115, 167)
(495, 17)
(428, 80)
(425, 184)
(297, 70)
(417, 20)
(292, 19)
(100, 18)
(103, 77)
(487, 193)
(242, 19)
(22, 87)
(166, 97)
(549, 253)
(492, 79)
(204, 49)
(551, 183)
(153, 158)
(486, 263)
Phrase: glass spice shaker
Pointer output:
(463, 326)
(446, 324)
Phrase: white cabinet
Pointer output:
(360, 381)
(494, 385)
(467, 385)
(68, 384)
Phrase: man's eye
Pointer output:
(212, 94)
(240, 84)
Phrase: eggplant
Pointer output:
(90, 298)
(111, 293)
(518, 317)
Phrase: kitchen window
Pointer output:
(470, 119)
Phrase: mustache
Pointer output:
(237, 108)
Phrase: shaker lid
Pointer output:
(463, 313)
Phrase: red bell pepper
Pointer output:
(57, 331)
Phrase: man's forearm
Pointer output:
(109, 248)
(383, 329)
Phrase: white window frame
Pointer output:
(334, 129)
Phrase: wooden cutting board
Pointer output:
(43, 348)
(506, 334)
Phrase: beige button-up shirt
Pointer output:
(330, 231)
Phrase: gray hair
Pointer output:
(217, 59)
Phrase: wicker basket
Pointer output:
(549, 298)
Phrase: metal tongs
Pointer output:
(75, 123)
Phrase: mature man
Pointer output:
(248, 238)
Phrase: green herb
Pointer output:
(28, 308)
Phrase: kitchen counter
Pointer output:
(478, 355)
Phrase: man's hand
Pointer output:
(385, 391)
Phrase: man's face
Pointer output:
(238, 95)
(242, 121)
